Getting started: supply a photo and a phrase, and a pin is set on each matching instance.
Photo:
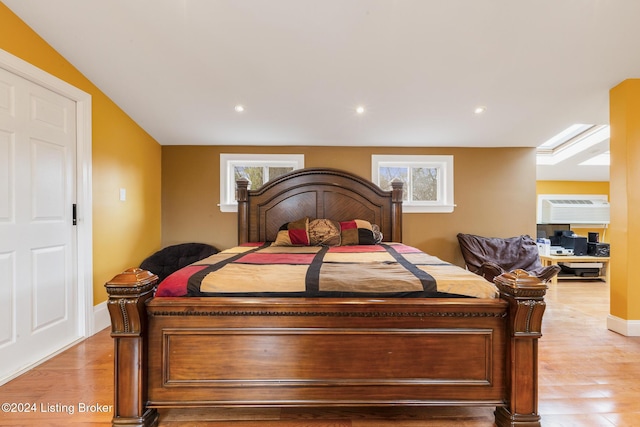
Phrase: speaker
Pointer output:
(598, 249)
(577, 243)
(593, 237)
(580, 246)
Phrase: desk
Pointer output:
(605, 273)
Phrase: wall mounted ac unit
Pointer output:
(573, 209)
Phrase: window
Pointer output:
(428, 180)
(257, 168)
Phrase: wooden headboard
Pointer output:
(316, 193)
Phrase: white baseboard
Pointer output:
(101, 317)
(628, 328)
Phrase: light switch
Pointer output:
(123, 194)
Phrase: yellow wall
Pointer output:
(577, 187)
(124, 156)
(494, 193)
(624, 108)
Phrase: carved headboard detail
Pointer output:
(316, 193)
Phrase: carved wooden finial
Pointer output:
(520, 284)
(396, 187)
(397, 183)
(131, 276)
(133, 281)
(242, 188)
(128, 292)
(527, 306)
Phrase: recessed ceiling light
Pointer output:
(360, 109)
(480, 109)
(239, 108)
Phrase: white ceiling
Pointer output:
(300, 67)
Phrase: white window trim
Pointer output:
(444, 163)
(229, 160)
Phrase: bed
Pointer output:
(324, 350)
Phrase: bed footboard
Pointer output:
(278, 340)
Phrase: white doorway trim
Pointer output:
(84, 254)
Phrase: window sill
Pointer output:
(427, 209)
(228, 207)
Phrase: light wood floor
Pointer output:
(588, 376)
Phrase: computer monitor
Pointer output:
(547, 231)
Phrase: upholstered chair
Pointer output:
(491, 256)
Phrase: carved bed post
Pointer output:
(128, 293)
(242, 195)
(525, 295)
(396, 210)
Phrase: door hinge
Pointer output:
(74, 221)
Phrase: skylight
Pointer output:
(564, 136)
(573, 140)
(603, 159)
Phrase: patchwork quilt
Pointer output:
(385, 270)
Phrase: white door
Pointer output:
(38, 293)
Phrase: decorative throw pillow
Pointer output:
(324, 232)
(377, 234)
(359, 232)
(294, 233)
